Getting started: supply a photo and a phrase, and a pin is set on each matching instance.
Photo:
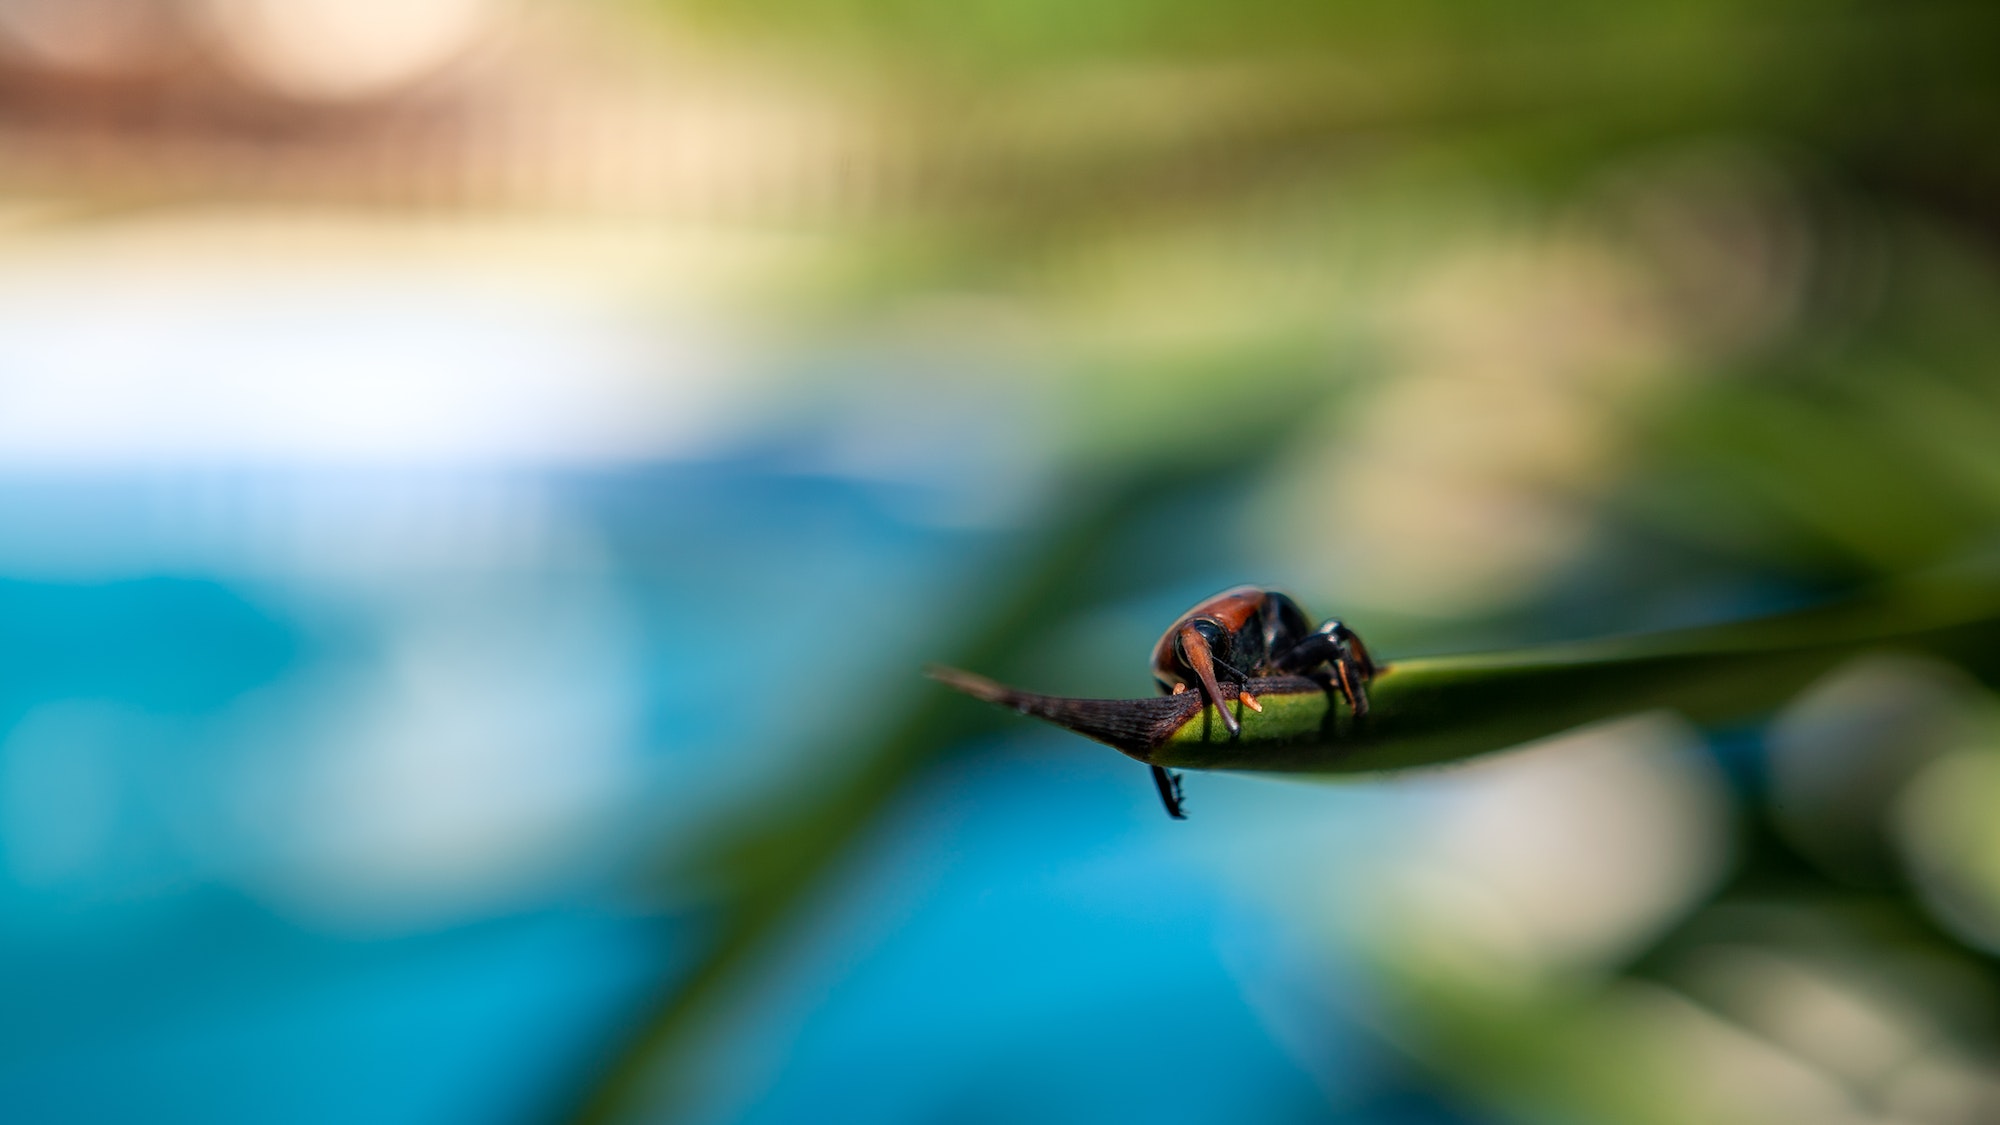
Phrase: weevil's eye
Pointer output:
(1207, 628)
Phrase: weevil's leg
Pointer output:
(1312, 651)
(1356, 651)
(1195, 649)
(1336, 645)
(1354, 666)
(1169, 785)
(1352, 685)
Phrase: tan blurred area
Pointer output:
(477, 104)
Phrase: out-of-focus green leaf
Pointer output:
(1431, 711)
(765, 865)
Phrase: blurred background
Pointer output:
(479, 480)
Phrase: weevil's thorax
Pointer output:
(1238, 615)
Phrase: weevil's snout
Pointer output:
(1197, 653)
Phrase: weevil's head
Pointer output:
(1198, 643)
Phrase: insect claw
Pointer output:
(1169, 785)
(1250, 701)
(1353, 686)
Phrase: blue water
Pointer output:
(323, 792)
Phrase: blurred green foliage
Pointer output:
(1700, 296)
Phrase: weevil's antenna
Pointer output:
(1243, 680)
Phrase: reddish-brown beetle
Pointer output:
(1247, 632)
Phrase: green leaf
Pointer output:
(769, 861)
(1431, 711)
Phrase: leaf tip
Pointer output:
(972, 684)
